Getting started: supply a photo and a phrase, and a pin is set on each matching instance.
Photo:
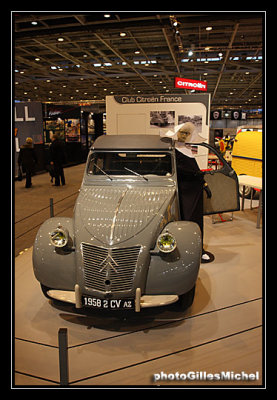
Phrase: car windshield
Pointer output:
(130, 163)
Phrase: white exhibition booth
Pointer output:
(159, 113)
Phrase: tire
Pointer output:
(247, 194)
(44, 291)
(186, 299)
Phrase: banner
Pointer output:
(190, 84)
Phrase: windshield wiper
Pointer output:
(105, 173)
(135, 173)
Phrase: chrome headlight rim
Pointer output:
(168, 247)
(59, 237)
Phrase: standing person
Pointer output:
(191, 181)
(27, 158)
(57, 159)
(190, 185)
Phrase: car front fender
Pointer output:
(54, 267)
(176, 272)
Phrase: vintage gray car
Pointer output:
(125, 247)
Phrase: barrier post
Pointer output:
(63, 356)
(51, 207)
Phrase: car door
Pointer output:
(221, 192)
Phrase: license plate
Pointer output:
(109, 304)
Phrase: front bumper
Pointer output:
(75, 297)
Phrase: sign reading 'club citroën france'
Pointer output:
(191, 84)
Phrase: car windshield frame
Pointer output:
(131, 157)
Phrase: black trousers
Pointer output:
(29, 172)
(58, 174)
(190, 188)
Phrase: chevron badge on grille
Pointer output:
(108, 263)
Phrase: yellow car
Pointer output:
(247, 155)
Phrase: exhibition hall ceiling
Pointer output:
(78, 57)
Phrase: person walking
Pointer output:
(57, 159)
(27, 159)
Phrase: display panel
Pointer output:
(72, 130)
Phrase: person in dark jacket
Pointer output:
(57, 159)
(27, 159)
(190, 186)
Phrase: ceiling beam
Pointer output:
(171, 49)
(119, 55)
(225, 59)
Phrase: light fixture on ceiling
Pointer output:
(122, 34)
(209, 28)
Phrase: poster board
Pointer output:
(154, 114)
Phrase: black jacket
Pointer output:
(27, 157)
(190, 187)
(57, 152)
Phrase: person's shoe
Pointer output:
(207, 257)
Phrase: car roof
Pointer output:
(132, 142)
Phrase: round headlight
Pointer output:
(59, 237)
(166, 242)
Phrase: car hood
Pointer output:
(113, 215)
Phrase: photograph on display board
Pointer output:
(72, 130)
(196, 120)
(162, 119)
(51, 127)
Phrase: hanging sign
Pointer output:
(191, 84)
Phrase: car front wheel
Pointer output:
(186, 300)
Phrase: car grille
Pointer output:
(109, 269)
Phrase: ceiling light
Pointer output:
(107, 15)
(137, 52)
(60, 39)
(209, 28)
(122, 34)
(190, 53)
(37, 59)
(34, 23)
